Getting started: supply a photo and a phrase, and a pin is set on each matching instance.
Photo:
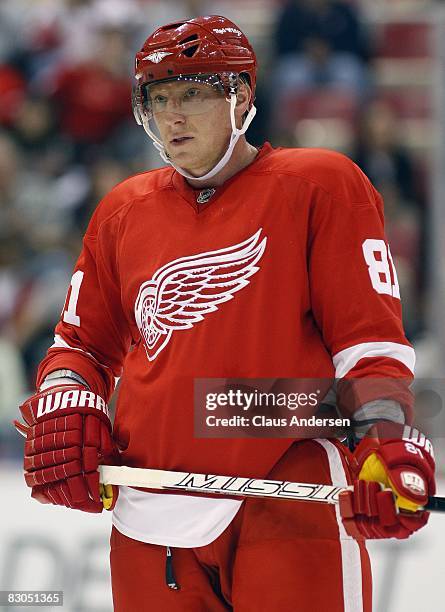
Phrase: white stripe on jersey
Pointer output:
(350, 550)
(59, 342)
(345, 360)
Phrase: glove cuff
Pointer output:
(63, 401)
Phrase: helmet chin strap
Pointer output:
(236, 133)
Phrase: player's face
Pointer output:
(193, 121)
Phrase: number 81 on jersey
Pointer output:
(380, 269)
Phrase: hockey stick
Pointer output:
(231, 485)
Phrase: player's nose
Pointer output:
(174, 118)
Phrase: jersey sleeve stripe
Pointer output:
(345, 360)
(59, 342)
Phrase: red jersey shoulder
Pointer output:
(331, 171)
(124, 193)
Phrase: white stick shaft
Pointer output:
(222, 485)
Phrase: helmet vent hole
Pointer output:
(172, 26)
(190, 52)
(189, 39)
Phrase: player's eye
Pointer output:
(193, 92)
(159, 99)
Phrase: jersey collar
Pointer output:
(208, 195)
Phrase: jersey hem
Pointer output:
(176, 542)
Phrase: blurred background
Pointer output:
(365, 77)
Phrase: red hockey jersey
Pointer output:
(283, 272)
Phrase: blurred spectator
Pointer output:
(333, 22)
(93, 98)
(11, 283)
(11, 26)
(33, 126)
(105, 174)
(403, 230)
(36, 231)
(57, 32)
(37, 197)
(10, 167)
(47, 276)
(320, 43)
(34, 131)
(12, 92)
(390, 167)
(379, 152)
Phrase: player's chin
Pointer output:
(183, 158)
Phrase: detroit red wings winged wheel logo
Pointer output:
(184, 290)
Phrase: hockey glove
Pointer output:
(68, 435)
(395, 468)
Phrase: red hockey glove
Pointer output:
(68, 435)
(399, 459)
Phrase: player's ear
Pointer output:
(243, 102)
(243, 98)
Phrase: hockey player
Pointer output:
(228, 262)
